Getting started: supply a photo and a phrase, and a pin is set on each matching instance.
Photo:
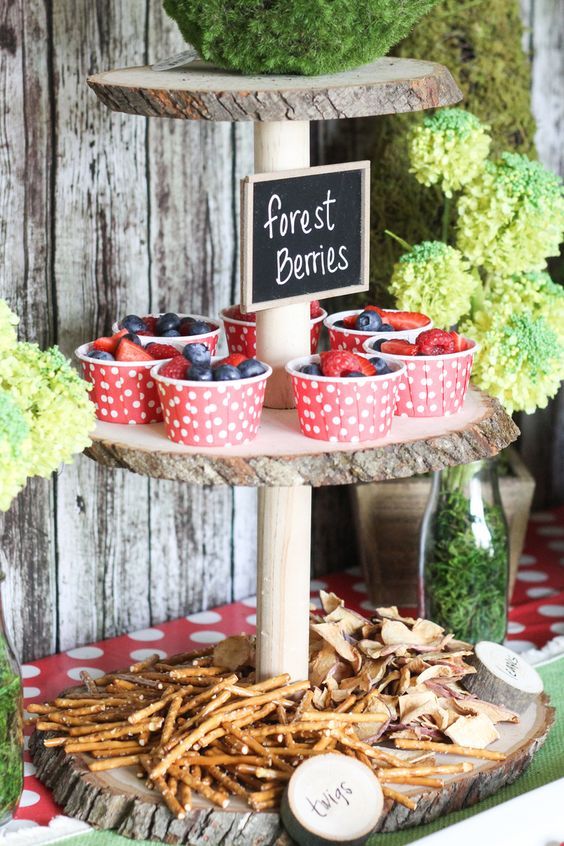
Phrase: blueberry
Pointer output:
(166, 322)
(170, 333)
(185, 324)
(385, 327)
(100, 354)
(380, 365)
(368, 321)
(353, 373)
(197, 354)
(340, 324)
(377, 345)
(131, 336)
(226, 373)
(133, 324)
(251, 367)
(198, 327)
(312, 369)
(200, 373)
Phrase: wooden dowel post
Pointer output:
(284, 545)
(284, 514)
(282, 332)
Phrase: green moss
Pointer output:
(294, 36)
(11, 735)
(480, 42)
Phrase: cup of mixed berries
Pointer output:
(349, 330)
(210, 401)
(345, 397)
(241, 329)
(439, 365)
(119, 369)
(191, 328)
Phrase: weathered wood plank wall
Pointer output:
(101, 213)
(104, 213)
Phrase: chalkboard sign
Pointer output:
(305, 234)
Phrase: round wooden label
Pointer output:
(332, 799)
(508, 667)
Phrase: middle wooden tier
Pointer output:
(281, 456)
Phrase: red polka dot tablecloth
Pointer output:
(536, 616)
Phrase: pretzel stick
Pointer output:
(218, 797)
(399, 798)
(257, 747)
(450, 749)
(423, 781)
(231, 784)
(185, 672)
(273, 694)
(112, 763)
(440, 769)
(144, 665)
(185, 796)
(337, 717)
(263, 772)
(170, 720)
(366, 749)
(170, 799)
(88, 681)
(105, 745)
(124, 731)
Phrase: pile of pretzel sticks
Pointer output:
(195, 728)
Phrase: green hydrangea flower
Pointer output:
(8, 323)
(448, 148)
(435, 279)
(536, 291)
(511, 217)
(521, 360)
(14, 448)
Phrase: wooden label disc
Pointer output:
(332, 799)
(509, 667)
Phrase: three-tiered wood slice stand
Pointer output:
(281, 462)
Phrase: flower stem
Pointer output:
(446, 219)
(397, 238)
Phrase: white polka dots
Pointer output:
(29, 769)
(531, 576)
(359, 587)
(252, 619)
(527, 560)
(146, 635)
(75, 672)
(29, 798)
(515, 628)
(31, 692)
(519, 645)
(86, 653)
(557, 628)
(551, 531)
(204, 617)
(207, 637)
(543, 517)
(250, 601)
(29, 671)
(551, 610)
(539, 592)
(557, 546)
(143, 654)
(318, 584)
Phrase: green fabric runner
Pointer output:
(547, 765)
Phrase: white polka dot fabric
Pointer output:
(242, 335)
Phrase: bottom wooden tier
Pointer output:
(118, 800)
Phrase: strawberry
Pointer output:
(160, 351)
(401, 320)
(128, 351)
(314, 309)
(151, 324)
(460, 343)
(109, 344)
(234, 360)
(338, 362)
(175, 368)
(399, 347)
(350, 320)
(435, 342)
(365, 366)
(380, 311)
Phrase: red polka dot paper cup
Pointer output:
(345, 410)
(211, 414)
(353, 340)
(434, 385)
(122, 391)
(242, 334)
(210, 339)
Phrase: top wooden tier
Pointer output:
(203, 92)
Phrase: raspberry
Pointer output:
(338, 363)
(175, 368)
(151, 324)
(159, 351)
(236, 314)
(435, 342)
(314, 309)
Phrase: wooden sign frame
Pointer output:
(247, 212)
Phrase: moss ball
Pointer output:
(307, 37)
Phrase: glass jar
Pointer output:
(464, 554)
(11, 725)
